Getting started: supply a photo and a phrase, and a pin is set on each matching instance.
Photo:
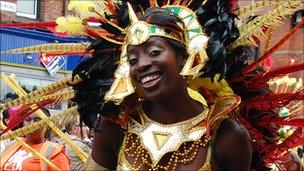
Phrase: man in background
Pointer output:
(73, 129)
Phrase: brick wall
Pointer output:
(48, 10)
(7, 16)
(51, 9)
(292, 51)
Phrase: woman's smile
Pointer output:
(151, 81)
(155, 68)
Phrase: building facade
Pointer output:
(27, 68)
(32, 10)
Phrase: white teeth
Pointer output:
(149, 78)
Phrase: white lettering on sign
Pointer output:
(7, 6)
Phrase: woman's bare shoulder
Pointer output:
(233, 145)
(231, 127)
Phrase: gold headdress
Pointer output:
(140, 31)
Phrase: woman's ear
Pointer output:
(181, 60)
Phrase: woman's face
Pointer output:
(155, 68)
(39, 133)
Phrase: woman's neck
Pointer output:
(173, 110)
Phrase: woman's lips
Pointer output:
(150, 81)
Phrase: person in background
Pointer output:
(4, 119)
(16, 157)
(73, 129)
(86, 135)
(54, 137)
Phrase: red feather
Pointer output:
(271, 101)
(59, 34)
(96, 34)
(280, 150)
(294, 122)
(261, 79)
(68, 53)
(233, 5)
(93, 19)
(110, 6)
(51, 24)
(257, 137)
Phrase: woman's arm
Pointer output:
(104, 151)
(233, 146)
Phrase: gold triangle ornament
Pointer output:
(122, 85)
(160, 138)
(194, 64)
(195, 39)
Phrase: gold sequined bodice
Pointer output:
(148, 144)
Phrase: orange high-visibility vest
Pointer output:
(48, 150)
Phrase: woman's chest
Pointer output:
(188, 156)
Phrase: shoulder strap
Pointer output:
(211, 148)
(207, 165)
(47, 151)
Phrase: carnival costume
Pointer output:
(217, 68)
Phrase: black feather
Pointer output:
(219, 25)
(97, 75)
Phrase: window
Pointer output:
(27, 8)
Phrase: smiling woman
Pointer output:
(168, 128)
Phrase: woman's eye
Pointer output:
(132, 61)
(154, 53)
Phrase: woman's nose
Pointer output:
(144, 64)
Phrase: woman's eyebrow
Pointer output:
(149, 43)
(155, 41)
(130, 52)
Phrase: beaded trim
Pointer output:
(158, 139)
(184, 155)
